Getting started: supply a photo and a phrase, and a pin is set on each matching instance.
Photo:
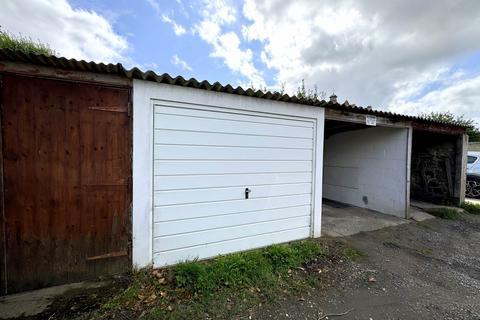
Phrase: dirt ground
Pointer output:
(417, 270)
(426, 270)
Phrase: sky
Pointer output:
(405, 56)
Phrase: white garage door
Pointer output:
(205, 160)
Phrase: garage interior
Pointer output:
(365, 171)
(366, 166)
(377, 176)
(437, 173)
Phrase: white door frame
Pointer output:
(146, 93)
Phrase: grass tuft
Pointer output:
(472, 208)
(221, 287)
(245, 269)
(444, 213)
(24, 44)
(352, 254)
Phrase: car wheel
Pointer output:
(473, 188)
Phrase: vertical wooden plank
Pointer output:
(3, 255)
(106, 144)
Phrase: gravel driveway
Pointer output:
(427, 270)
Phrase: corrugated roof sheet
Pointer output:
(135, 73)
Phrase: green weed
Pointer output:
(472, 208)
(244, 269)
(221, 287)
(352, 254)
(444, 213)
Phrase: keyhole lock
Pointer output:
(247, 192)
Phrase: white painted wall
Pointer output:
(368, 168)
(147, 94)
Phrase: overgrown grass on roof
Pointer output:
(24, 44)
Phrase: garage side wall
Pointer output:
(181, 116)
(368, 168)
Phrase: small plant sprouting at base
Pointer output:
(444, 213)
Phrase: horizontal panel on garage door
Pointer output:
(169, 197)
(174, 122)
(203, 162)
(177, 167)
(165, 152)
(175, 137)
(196, 238)
(231, 115)
(166, 228)
(196, 210)
(228, 180)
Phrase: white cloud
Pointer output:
(218, 15)
(462, 97)
(180, 63)
(177, 28)
(156, 6)
(72, 33)
(371, 52)
(219, 12)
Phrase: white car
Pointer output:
(473, 175)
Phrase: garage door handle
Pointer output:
(247, 191)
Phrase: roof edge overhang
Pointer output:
(30, 64)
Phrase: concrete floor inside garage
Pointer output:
(340, 219)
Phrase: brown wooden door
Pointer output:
(66, 174)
